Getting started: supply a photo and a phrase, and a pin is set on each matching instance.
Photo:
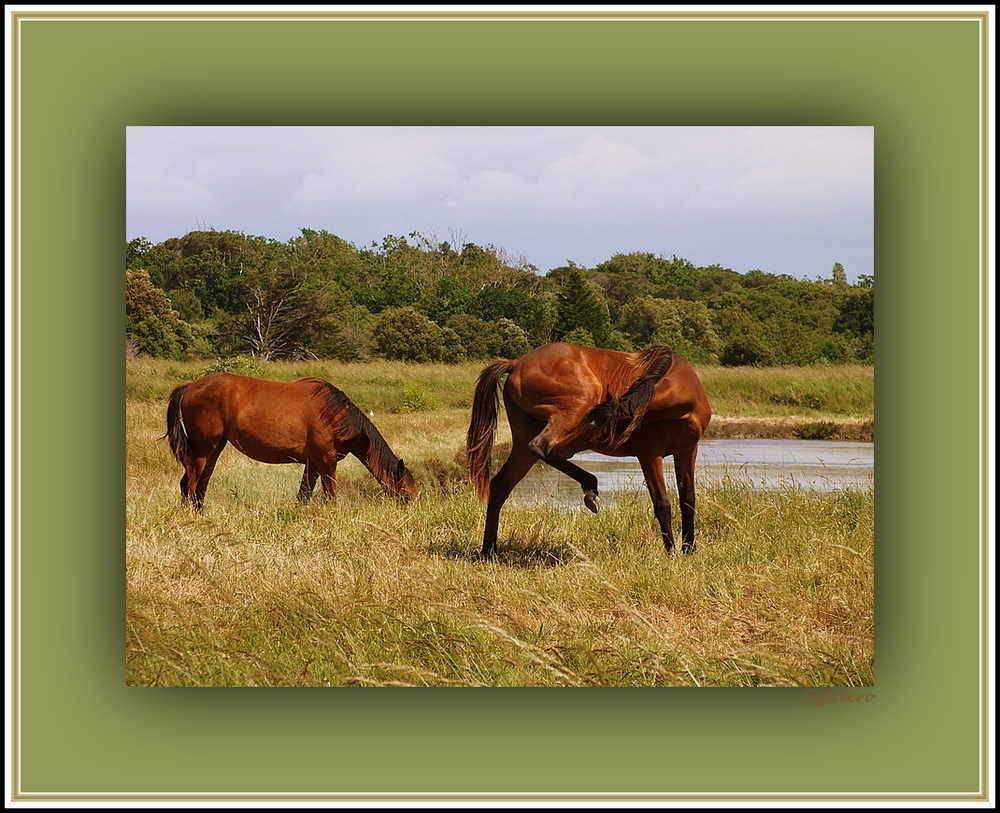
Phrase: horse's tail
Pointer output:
(177, 437)
(483, 424)
(617, 418)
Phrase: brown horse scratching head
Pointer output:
(307, 421)
(562, 399)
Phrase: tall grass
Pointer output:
(261, 591)
(819, 391)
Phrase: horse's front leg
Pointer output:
(308, 483)
(327, 470)
(563, 435)
(587, 481)
(652, 470)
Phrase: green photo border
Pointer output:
(79, 734)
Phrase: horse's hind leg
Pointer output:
(684, 469)
(195, 481)
(652, 469)
(587, 481)
(518, 464)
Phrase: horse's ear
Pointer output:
(400, 467)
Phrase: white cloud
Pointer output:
(601, 173)
(733, 193)
(491, 187)
(693, 171)
(382, 170)
(152, 185)
(597, 173)
(787, 171)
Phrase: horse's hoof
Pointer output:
(592, 501)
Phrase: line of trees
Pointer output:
(222, 293)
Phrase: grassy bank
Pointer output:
(260, 591)
(748, 402)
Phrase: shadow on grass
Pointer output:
(517, 553)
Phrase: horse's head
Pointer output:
(404, 486)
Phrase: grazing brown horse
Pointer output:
(562, 399)
(307, 421)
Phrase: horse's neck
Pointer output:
(368, 453)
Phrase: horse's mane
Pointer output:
(340, 412)
(608, 417)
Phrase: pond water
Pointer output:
(815, 465)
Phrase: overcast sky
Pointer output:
(785, 200)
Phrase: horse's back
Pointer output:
(231, 387)
(556, 354)
(558, 371)
(559, 368)
(569, 380)
(232, 401)
(269, 421)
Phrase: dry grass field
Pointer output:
(259, 590)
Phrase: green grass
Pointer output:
(261, 591)
(823, 391)
(820, 391)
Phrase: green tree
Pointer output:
(211, 280)
(153, 337)
(162, 264)
(136, 251)
(326, 258)
(453, 351)
(151, 323)
(144, 300)
(534, 312)
(857, 312)
(281, 308)
(716, 280)
(685, 326)
(187, 305)
(745, 351)
(341, 329)
(580, 336)
(621, 289)
(855, 323)
(742, 339)
(481, 340)
(474, 334)
(446, 297)
(688, 325)
(671, 274)
(642, 318)
(394, 273)
(405, 334)
(581, 305)
(508, 339)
